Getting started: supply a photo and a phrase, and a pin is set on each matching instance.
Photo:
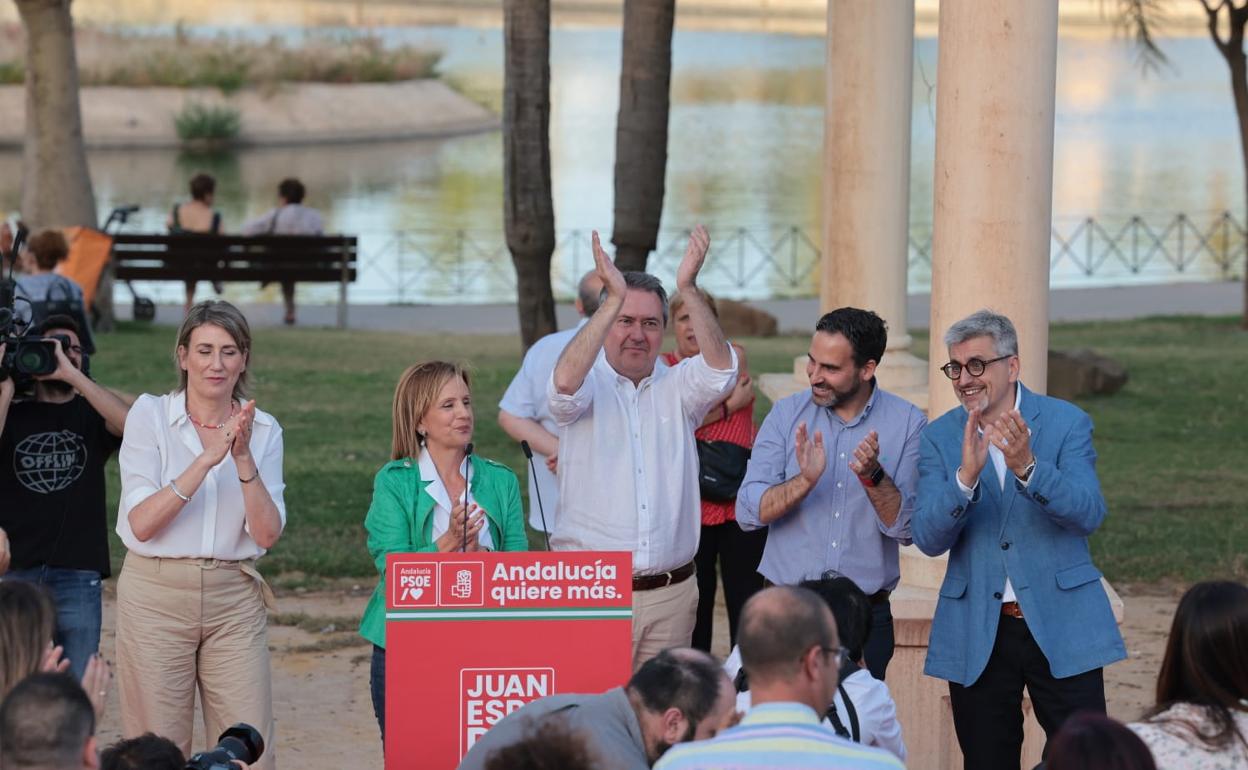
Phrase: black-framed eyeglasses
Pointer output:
(975, 367)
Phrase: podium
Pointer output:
(471, 637)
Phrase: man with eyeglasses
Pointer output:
(793, 676)
(1008, 487)
(834, 472)
(53, 448)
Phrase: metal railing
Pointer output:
(474, 266)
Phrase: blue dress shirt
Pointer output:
(835, 527)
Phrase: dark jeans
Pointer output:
(879, 648)
(988, 714)
(76, 593)
(737, 554)
(377, 684)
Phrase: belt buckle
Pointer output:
(668, 576)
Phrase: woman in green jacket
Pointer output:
(418, 497)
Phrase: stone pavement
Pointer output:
(794, 316)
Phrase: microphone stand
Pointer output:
(467, 468)
(528, 452)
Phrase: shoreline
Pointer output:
(116, 117)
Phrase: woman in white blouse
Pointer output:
(1200, 721)
(201, 500)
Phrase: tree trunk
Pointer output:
(1239, 88)
(56, 183)
(528, 211)
(641, 130)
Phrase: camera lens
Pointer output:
(36, 357)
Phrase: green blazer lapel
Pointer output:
(485, 494)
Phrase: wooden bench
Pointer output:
(258, 258)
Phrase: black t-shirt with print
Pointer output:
(52, 460)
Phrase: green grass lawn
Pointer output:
(1171, 444)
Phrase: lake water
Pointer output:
(746, 130)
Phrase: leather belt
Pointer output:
(663, 579)
(879, 597)
(1012, 610)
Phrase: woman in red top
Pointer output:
(737, 552)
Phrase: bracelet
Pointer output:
(173, 486)
(254, 476)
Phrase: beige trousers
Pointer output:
(662, 618)
(187, 623)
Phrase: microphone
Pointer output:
(528, 452)
(467, 468)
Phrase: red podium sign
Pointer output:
(471, 637)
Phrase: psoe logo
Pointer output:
(414, 584)
(489, 694)
(461, 584)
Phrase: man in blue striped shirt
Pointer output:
(793, 676)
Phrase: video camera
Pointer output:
(24, 358)
(241, 741)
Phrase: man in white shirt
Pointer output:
(628, 475)
(524, 412)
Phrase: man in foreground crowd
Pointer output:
(678, 695)
(47, 723)
(791, 654)
(628, 464)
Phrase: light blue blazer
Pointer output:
(1037, 534)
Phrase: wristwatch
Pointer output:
(1026, 474)
(874, 479)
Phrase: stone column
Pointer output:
(995, 80)
(866, 209)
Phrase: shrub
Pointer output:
(207, 123)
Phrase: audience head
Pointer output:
(991, 339)
(588, 293)
(680, 695)
(682, 325)
(47, 249)
(1092, 741)
(550, 745)
(214, 349)
(800, 663)
(432, 407)
(291, 190)
(202, 188)
(847, 345)
(851, 608)
(1206, 658)
(633, 341)
(147, 752)
(27, 622)
(47, 722)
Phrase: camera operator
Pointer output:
(53, 448)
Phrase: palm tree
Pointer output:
(641, 129)
(1142, 17)
(56, 183)
(528, 212)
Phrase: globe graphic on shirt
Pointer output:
(49, 462)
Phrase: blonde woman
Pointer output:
(201, 500)
(419, 496)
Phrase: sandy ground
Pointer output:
(325, 717)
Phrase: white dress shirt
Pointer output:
(628, 464)
(526, 397)
(873, 703)
(160, 442)
(998, 464)
(442, 499)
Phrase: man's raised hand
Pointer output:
(974, 451)
(811, 456)
(612, 278)
(695, 255)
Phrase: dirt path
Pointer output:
(325, 716)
